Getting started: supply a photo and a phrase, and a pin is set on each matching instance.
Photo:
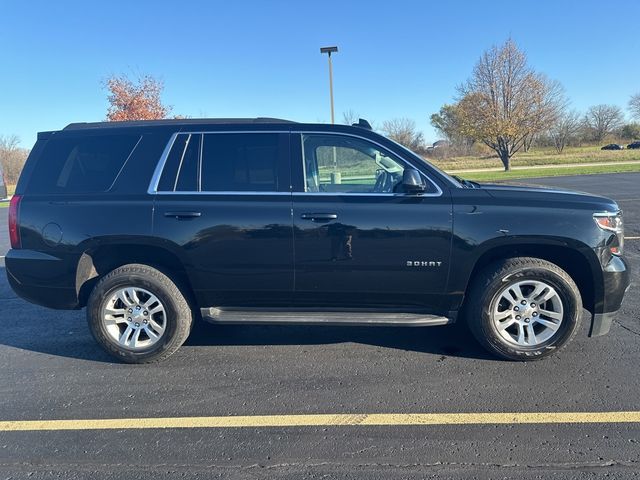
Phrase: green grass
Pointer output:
(11, 189)
(541, 156)
(550, 172)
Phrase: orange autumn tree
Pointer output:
(139, 100)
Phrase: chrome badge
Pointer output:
(423, 263)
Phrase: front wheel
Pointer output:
(138, 314)
(523, 308)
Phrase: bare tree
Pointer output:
(565, 128)
(602, 120)
(12, 157)
(528, 141)
(349, 117)
(631, 131)
(634, 106)
(505, 102)
(405, 132)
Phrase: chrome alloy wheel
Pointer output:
(527, 313)
(134, 318)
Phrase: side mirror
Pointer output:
(412, 181)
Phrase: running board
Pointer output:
(315, 317)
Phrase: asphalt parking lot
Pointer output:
(50, 368)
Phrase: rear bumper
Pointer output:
(42, 279)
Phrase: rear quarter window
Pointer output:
(87, 164)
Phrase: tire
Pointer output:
(553, 322)
(162, 327)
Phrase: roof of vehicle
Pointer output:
(180, 124)
(176, 121)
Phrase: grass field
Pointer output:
(549, 172)
(542, 156)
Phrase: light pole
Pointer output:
(335, 176)
(329, 51)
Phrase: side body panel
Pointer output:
(239, 251)
(56, 230)
(236, 246)
(488, 222)
(380, 250)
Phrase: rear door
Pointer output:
(223, 203)
(359, 241)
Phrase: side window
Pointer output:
(241, 162)
(86, 164)
(180, 172)
(342, 164)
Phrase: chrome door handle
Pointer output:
(319, 217)
(179, 215)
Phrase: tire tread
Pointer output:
(476, 303)
(183, 321)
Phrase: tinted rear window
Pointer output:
(240, 162)
(88, 164)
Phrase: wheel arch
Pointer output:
(575, 261)
(97, 261)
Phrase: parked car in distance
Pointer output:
(3, 184)
(612, 146)
(634, 145)
(152, 225)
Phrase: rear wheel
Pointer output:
(138, 314)
(523, 308)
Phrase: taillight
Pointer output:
(14, 226)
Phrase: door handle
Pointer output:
(179, 215)
(319, 217)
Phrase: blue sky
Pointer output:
(261, 58)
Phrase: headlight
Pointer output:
(612, 222)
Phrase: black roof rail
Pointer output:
(175, 121)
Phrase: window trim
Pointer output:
(437, 193)
(184, 152)
(155, 179)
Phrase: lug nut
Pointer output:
(533, 304)
(517, 309)
(145, 313)
(129, 319)
(137, 324)
(146, 321)
(518, 317)
(137, 307)
(130, 310)
(526, 320)
(523, 302)
(535, 314)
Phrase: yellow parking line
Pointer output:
(324, 420)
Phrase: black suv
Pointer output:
(153, 224)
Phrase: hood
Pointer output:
(517, 193)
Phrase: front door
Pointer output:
(359, 241)
(223, 203)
